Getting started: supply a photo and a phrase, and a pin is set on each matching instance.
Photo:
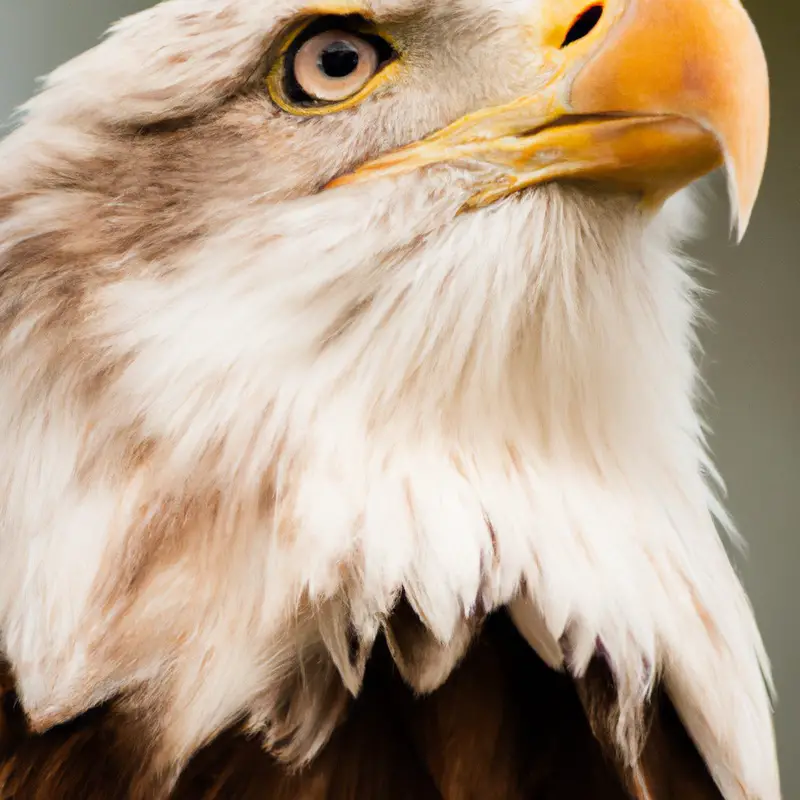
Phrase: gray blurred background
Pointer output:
(752, 357)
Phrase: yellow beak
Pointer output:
(657, 94)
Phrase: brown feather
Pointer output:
(669, 766)
(503, 726)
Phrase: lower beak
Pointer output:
(656, 95)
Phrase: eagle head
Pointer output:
(327, 322)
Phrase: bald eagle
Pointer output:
(349, 408)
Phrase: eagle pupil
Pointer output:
(338, 60)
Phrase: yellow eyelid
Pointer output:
(274, 78)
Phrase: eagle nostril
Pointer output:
(584, 24)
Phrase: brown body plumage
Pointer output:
(504, 727)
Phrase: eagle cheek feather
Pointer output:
(241, 447)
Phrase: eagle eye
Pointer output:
(330, 64)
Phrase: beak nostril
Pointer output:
(584, 24)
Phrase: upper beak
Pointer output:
(657, 94)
